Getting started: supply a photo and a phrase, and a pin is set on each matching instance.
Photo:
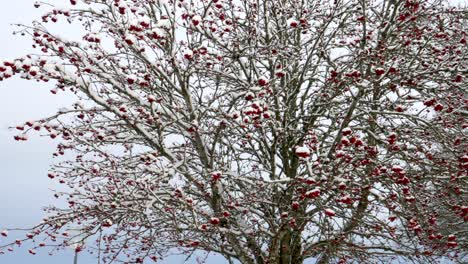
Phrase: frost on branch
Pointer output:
(265, 131)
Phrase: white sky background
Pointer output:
(24, 186)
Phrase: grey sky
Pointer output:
(24, 186)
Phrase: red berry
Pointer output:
(438, 107)
(295, 205)
(379, 71)
(313, 193)
(196, 20)
(262, 82)
(302, 152)
(451, 238)
(330, 212)
(214, 221)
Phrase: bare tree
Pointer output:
(268, 131)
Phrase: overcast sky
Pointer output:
(24, 186)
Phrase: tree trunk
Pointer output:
(287, 249)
